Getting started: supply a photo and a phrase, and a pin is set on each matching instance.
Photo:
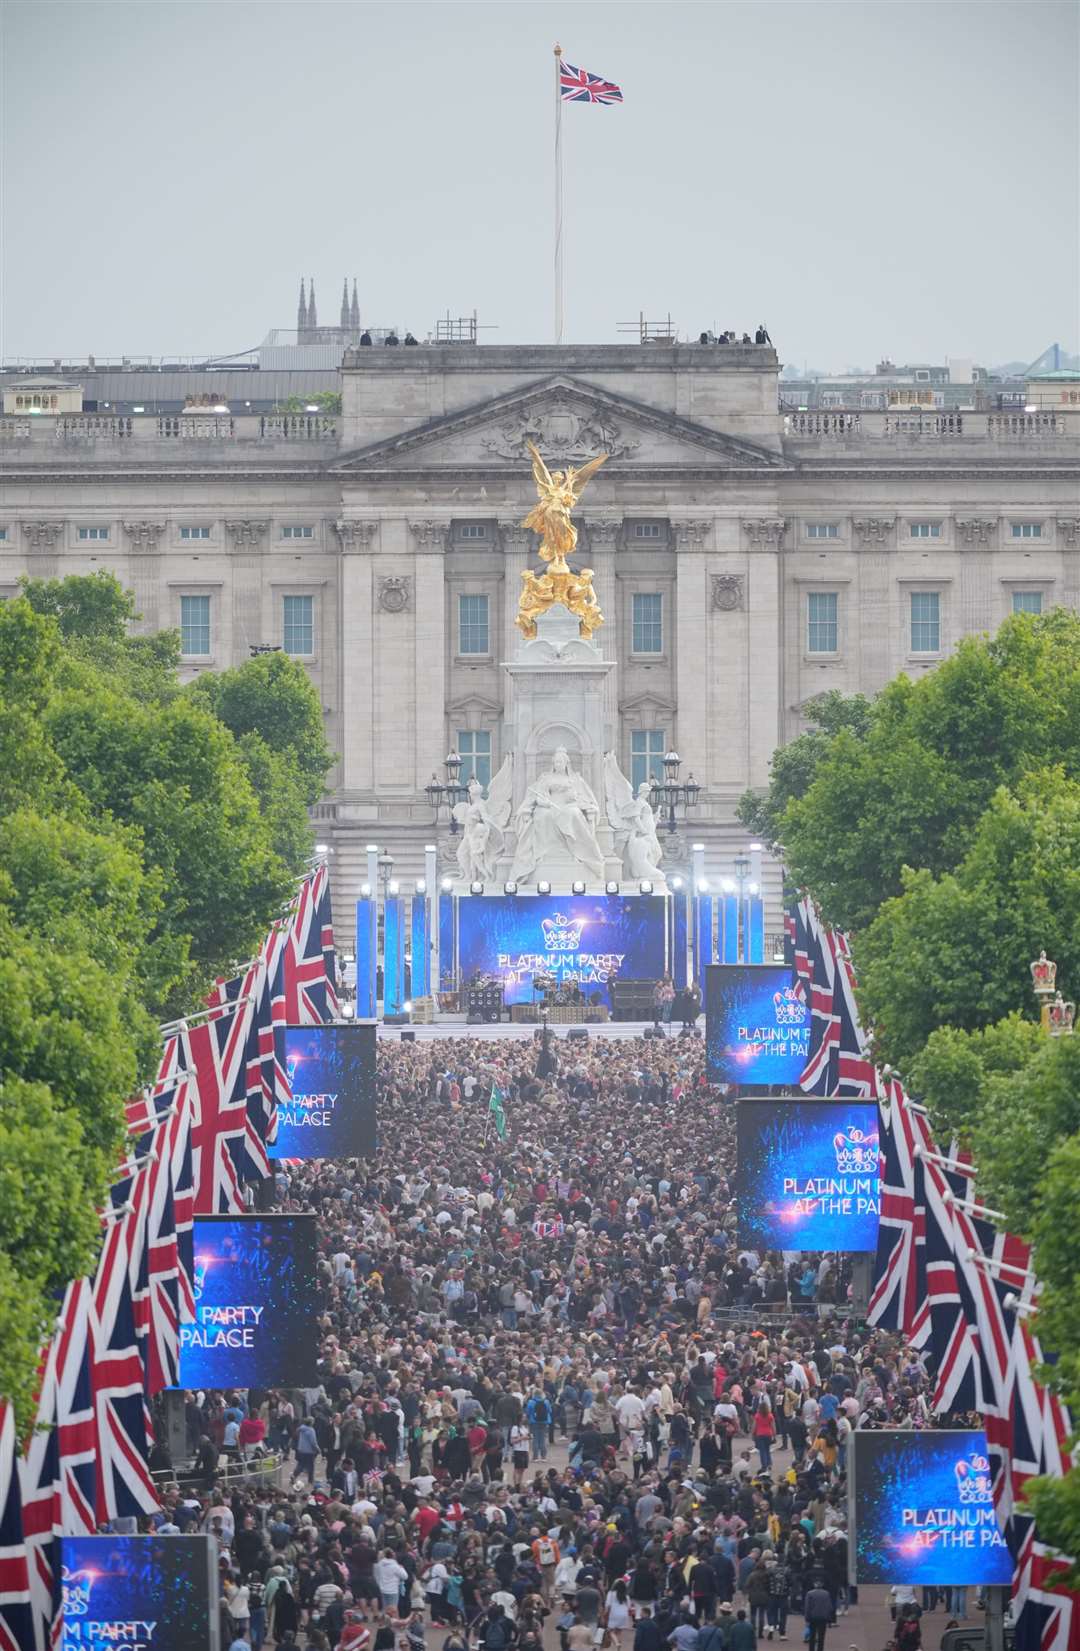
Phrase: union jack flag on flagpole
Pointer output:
(41, 1504)
(16, 1619)
(579, 86)
(308, 959)
(124, 1486)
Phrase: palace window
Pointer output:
(298, 625)
(646, 530)
(1027, 530)
(1027, 601)
(194, 533)
(95, 533)
(298, 532)
(823, 530)
(472, 530)
(474, 749)
(925, 530)
(3, 533)
(821, 621)
(473, 625)
(648, 622)
(195, 627)
(925, 621)
(646, 755)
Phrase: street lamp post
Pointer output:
(447, 794)
(671, 793)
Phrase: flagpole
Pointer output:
(558, 198)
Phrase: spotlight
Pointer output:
(476, 888)
(348, 1010)
(348, 957)
(676, 882)
(751, 888)
(611, 888)
(393, 887)
(703, 885)
(322, 848)
(365, 890)
(543, 887)
(447, 884)
(728, 885)
(756, 848)
(510, 887)
(645, 886)
(421, 885)
(577, 888)
(778, 955)
(407, 1007)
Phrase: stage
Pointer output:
(456, 1027)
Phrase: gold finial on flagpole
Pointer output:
(558, 49)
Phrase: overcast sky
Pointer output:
(870, 179)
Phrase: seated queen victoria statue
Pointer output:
(556, 826)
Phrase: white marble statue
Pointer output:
(633, 822)
(483, 822)
(556, 824)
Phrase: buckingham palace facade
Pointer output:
(747, 556)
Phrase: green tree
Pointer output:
(272, 696)
(794, 765)
(974, 931)
(911, 789)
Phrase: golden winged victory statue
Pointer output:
(559, 492)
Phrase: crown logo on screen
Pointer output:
(856, 1152)
(76, 1586)
(789, 1006)
(560, 935)
(198, 1278)
(973, 1478)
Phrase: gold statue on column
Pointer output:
(559, 492)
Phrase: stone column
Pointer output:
(1068, 528)
(247, 539)
(143, 538)
(766, 540)
(872, 602)
(42, 542)
(976, 538)
(429, 646)
(355, 587)
(518, 545)
(604, 534)
(693, 538)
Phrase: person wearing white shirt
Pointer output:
(630, 1411)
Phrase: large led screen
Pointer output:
(921, 1509)
(757, 1025)
(255, 1303)
(808, 1175)
(578, 939)
(142, 1593)
(332, 1111)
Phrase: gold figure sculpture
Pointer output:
(559, 492)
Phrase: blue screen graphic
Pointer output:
(332, 1114)
(923, 1509)
(808, 1175)
(580, 939)
(151, 1593)
(757, 1025)
(255, 1303)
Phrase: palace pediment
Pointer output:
(569, 422)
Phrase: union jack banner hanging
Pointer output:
(16, 1621)
(579, 86)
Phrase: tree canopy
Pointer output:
(151, 833)
(940, 824)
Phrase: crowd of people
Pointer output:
(556, 1396)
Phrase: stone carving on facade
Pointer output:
(766, 532)
(603, 531)
(1069, 528)
(727, 591)
(42, 535)
(431, 534)
(513, 536)
(561, 436)
(247, 532)
(355, 534)
(688, 531)
(873, 530)
(633, 821)
(395, 591)
(144, 535)
(976, 529)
